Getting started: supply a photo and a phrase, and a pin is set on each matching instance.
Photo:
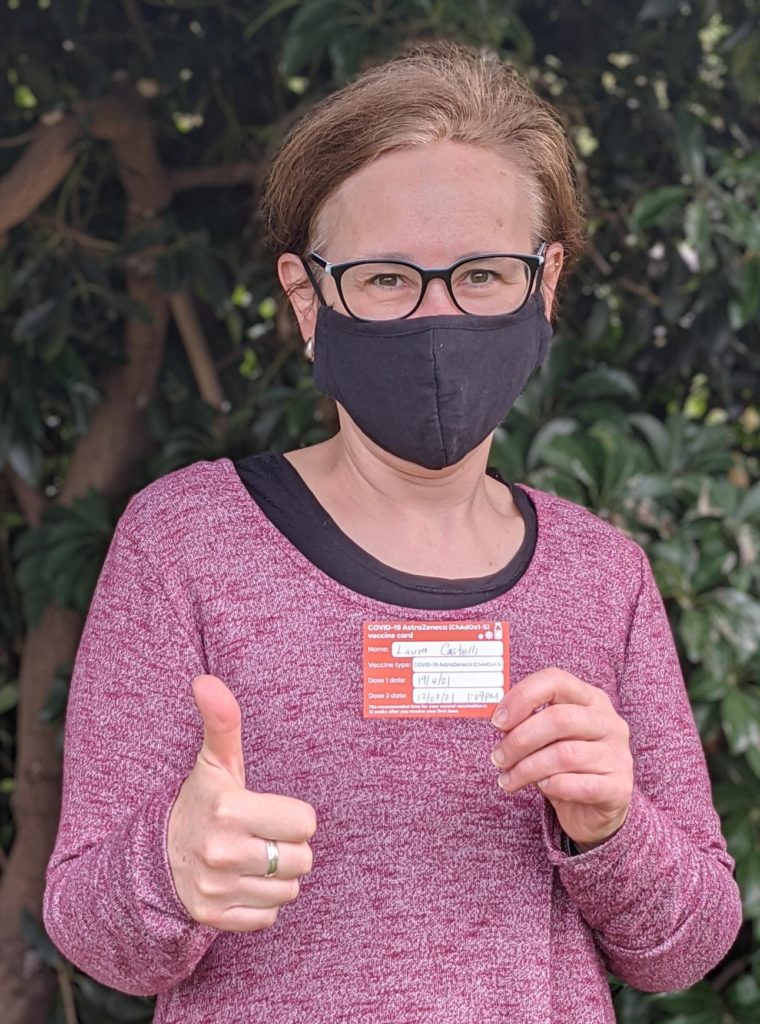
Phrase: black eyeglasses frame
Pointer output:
(534, 261)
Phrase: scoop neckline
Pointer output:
(395, 586)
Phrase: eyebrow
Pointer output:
(392, 257)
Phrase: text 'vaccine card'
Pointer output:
(434, 669)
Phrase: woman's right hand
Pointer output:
(218, 829)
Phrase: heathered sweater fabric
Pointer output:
(434, 896)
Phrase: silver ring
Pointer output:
(273, 857)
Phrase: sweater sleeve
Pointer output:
(659, 894)
(131, 738)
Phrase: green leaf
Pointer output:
(748, 509)
(736, 616)
(739, 833)
(704, 685)
(697, 1005)
(602, 382)
(33, 322)
(697, 231)
(507, 453)
(63, 555)
(690, 144)
(579, 457)
(110, 1006)
(631, 1007)
(748, 880)
(271, 11)
(694, 632)
(616, 459)
(210, 281)
(752, 754)
(26, 459)
(718, 498)
(657, 486)
(740, 715)
(562, 426)
(653, 10)
(36, 939)
(60, 329)
(743, 999)
(680, 552)
(651, 208)
(716, 559)
(556, 482)
(657, 437)
(8, 696)
(721, 661)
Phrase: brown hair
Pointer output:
(436, 91)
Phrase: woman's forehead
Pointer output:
(435, 198)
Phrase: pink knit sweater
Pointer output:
(434, 898)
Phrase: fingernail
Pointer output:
(498, 757)
(504, 780)
(501, 718)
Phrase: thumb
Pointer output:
(222, 737)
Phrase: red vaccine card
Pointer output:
(434, 669)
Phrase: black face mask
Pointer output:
(429, 389)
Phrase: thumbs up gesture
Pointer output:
(218, 830)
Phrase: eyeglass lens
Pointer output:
(483, 286)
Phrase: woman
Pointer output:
(223, 700)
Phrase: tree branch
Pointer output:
(80, 238)
(132, 11)
(17, 140)
(67, 994)
(640, 289)
(50, 155)
(120, 119)
(31, 501)
(117, 434)
(42, 166)
(241, 173)
(596, 256)
(105, 458)
(194, 340)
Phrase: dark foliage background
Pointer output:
(648, 410)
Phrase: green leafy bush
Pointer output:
(646, 411)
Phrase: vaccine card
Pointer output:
(434, 669)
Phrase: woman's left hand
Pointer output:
(575, 749)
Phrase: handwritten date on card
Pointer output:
(433, 669)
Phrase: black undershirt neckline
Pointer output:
(286, 500)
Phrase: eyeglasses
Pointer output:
(488, 285)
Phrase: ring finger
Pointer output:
(293, 859)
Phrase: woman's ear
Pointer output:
(554, 259)
(300, 292)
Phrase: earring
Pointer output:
(309, 350)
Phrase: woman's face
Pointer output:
(431, 205)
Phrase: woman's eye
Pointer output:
(385, 280)
(488, 277)
(480, 276)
